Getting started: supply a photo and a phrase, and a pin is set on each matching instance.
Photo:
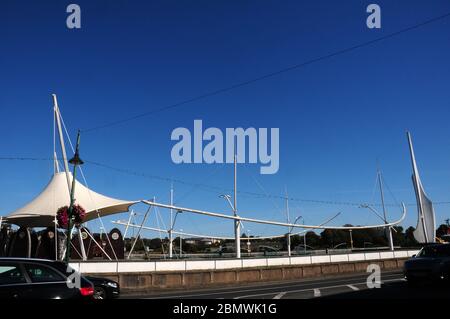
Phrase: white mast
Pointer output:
(55, 171)
(56, 164)
(55, 158)
(61, 141)
(66, 166)
(417, 186)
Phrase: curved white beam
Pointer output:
(268, 222)
(216, 237)
(199, 235)
(173, 232)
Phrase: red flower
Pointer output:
(78, 214)
(62, 215)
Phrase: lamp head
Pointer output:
(76, 160)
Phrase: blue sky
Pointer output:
(338, 118)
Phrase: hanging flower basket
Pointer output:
(62, 215)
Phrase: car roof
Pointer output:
(436, 245)
(23, 259)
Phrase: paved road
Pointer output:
(354, 286)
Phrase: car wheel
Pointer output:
(99, 293)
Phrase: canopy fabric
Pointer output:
(41, 211)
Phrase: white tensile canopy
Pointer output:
(41, 211)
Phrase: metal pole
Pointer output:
(72, 200)
(56, 238)
(138, 233)
(237, 223)
(248, 241)
(289, 244)
(83, 250)
(289, 228)
(351, 239)
(171, 224)
(304, 233)
(98, 245)
(304, 238)
(388, 231)
(128, 224)
(181, 244)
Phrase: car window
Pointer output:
(435, 251)
(41, 273)
(425, 252)
(11, 274)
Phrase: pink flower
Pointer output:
(62, 215)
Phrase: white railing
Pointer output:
(222, 264)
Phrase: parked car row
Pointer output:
(24, 278)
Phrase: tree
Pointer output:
(398, 236)
(312, 239)
(410, 241)
(332, 237)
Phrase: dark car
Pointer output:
(24, 278)
(104, 288)
(431, 264)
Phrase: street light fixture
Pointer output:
(228, 199)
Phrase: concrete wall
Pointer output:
(221, 264)
(153, 276)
